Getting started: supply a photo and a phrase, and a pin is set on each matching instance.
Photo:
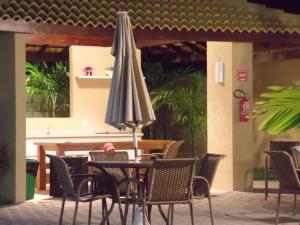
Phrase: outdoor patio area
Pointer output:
(232, 208)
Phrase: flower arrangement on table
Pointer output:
(109, 148)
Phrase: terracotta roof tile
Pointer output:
(229, 15)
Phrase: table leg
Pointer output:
(41, 175)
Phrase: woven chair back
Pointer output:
(170, 180)
(296, 155)
(63, 176)
(173, 149)
(114, 156)
(207, 168)
(284, 166)
(282, 146)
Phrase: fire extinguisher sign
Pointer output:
(242, 74)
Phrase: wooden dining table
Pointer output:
(60, 147)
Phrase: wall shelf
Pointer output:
(93, 77)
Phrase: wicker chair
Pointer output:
(204, 177)
(114, 156)
(126, 181)
(169, 182)
(296, 155)
(277, 146)
(171, 152)
(288, 178)
(66, 181)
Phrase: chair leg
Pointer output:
(169, 215)
(295, 205)
(90, 212)
(104, 210)
(123, 222)
(145, 213)
(62, 211)
(133, 211)
(75, 212)
(126, 212)
(172, 215)
(107, 214)
(277, 208)
(149, 213)
(192, 213)
(165, 218)
(266, 180)
(210, 209)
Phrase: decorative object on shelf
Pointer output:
(88, 71)
(109, 148)
(109, 71)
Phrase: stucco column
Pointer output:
(226, 134)
(12, 115)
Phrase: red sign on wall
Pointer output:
(242, 74)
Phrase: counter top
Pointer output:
(43, 134)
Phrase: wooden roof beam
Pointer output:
(148, 35)
(42, 50)
(47, 57)
(178, 49)
(194, 47)
(65, 40)
(269, 57)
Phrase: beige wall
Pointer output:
(226, 134)
(12, 115)
(283, 72)
(88, 97)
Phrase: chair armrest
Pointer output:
(198, 189)
(159, 154)
(151, 156)
(85, 175)
(201, 178)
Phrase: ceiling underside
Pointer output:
(177, 52)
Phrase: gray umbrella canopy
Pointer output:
(129, 104)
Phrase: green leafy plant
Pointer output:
(52, 82)
(154, 75)
(185, 96)
(281, 108)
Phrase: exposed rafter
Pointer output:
(147, 35)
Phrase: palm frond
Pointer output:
(281, 106)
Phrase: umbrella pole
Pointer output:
(135, 144)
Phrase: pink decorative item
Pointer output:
(109, 148)
(88, 71)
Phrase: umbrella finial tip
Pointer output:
(121, 12)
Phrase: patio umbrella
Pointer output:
(129, 104)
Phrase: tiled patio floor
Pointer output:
(234, 208)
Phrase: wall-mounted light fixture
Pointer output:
(219, 74)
